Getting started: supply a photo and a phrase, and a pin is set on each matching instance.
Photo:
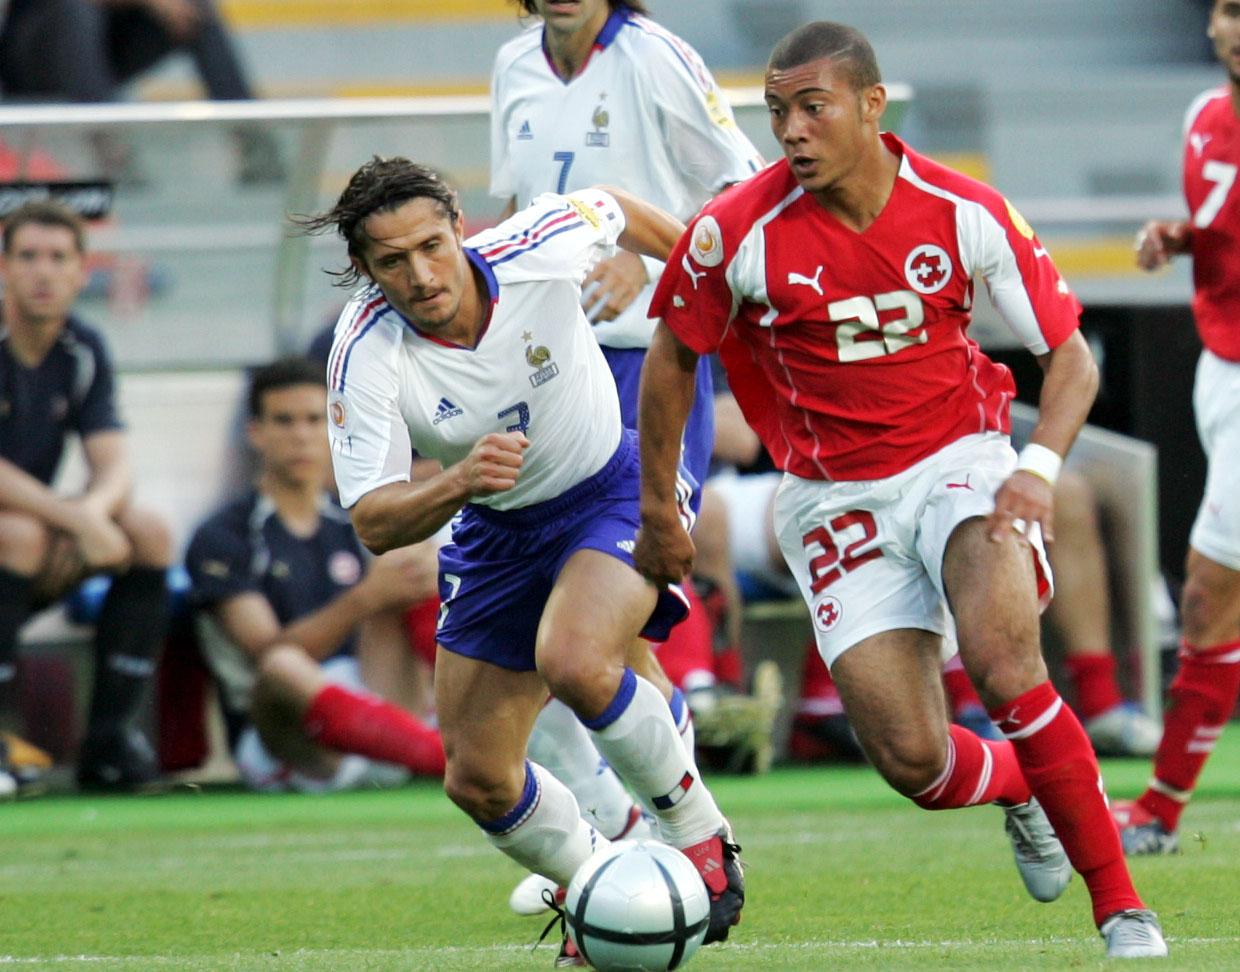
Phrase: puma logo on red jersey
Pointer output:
(796, 278)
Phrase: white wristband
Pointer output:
(1040, 461)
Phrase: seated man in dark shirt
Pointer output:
(282, 586)
(56, 381)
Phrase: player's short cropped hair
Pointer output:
(842, 44)
(285, 373)
(45, 212)
(531, 6)
(379, 186)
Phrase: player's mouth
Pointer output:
(563, 7)
(803, 166)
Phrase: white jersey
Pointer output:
(536, 367)
(643, 114)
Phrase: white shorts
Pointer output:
(1216, 404)
(259, 770)
(868, 555)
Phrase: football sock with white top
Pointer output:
(544, 832)
(637, 735)
(562, 745)
(684, 721)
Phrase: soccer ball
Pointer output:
(637, 905)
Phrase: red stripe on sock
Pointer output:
(355, 722)
(1202, 697)
(971, 779)
(1059, 764)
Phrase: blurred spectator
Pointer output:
(87, 50)
(1080, 614)
(282, 586)
(56, 380)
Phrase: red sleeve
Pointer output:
(693, 297)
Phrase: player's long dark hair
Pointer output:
(381, 185)
(530, 6)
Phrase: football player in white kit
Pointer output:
(477, 353)
(598, 93)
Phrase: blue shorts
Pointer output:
(496, 575)
(626, 368)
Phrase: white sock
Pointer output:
(561, 744)
(544, 832)
(638, 737)
(684, 722)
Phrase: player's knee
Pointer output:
(908, 763)
(150, 536)
(483, 796)
(287, 676)
(578, 679)
(24, 543)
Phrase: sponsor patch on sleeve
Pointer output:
(1019, 221)
(586, 212)
(707, 245)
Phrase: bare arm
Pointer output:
(110, 477)
(1069, 384)
(400, 514)
(735, 441)
(664, 551)
(100, 542)
(395, 580)
(648, 230)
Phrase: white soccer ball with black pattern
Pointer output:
(637, 905)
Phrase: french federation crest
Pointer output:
(599, 138)
(538, 357)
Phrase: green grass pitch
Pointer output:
(842, 874)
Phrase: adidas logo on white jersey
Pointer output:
(525, 133)
(445, 410)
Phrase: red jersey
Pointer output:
(1211, 158)
(848, 351)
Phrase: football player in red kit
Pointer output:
(836, 285)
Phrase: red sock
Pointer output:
(1203, 695)
(688, 648)
(356, 722)
(819, 696)
(960, 691)
(977, 771)
(1062, 771)
(1093, 682)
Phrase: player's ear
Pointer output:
(873, 102)
(359, 266)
